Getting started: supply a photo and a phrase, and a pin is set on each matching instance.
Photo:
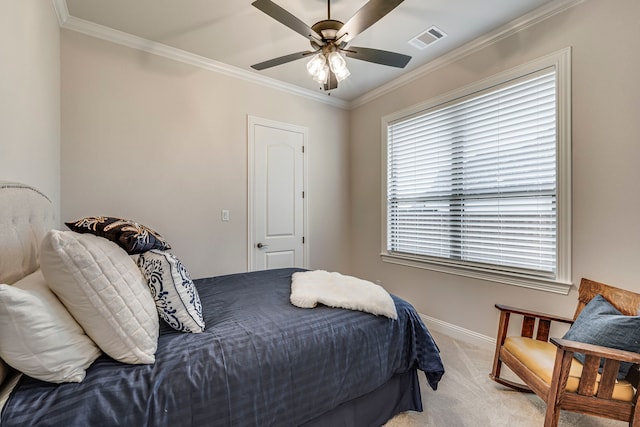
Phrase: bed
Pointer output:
(260, 361)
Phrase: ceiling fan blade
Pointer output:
(281, 60)
(287, 19)
(368, 15)
(378, 56)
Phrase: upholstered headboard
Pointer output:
(25, 216)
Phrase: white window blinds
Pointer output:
(474, 181)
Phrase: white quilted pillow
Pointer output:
(39, 337)
(105, 291)
(176, 296)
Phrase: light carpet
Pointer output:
(466, 397)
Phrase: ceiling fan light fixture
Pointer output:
(316, 64)
(338, 65)
(322, 76)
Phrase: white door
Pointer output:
(277, 199)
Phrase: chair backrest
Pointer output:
(626, 302)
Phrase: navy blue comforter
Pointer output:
(260, 362)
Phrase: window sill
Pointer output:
(515, 279)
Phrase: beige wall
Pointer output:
(165, 143)
(605, 38)
(30, 95)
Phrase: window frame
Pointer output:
(562, 282)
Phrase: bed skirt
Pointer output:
(401, 393)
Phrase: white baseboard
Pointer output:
(458, 332)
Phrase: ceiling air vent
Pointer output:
(430, 36)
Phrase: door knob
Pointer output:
(260, 246)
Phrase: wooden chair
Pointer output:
(548, 369)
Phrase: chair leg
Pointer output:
(552, 415)
(497, 366)
(558, 387)
(635, 417)
(502, 335)
(495, 375)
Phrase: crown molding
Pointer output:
(519, 24)
(125, 39)
(119, 37)
(60, 6)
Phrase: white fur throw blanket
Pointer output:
(309, 288)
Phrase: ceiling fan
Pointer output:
(329, 41)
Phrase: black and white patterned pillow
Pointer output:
(176, 296)
(132, 237)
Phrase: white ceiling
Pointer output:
(237, 34)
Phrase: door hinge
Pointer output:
(303, 194)
(303, 240)
(303, 148)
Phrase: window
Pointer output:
(477, 182)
